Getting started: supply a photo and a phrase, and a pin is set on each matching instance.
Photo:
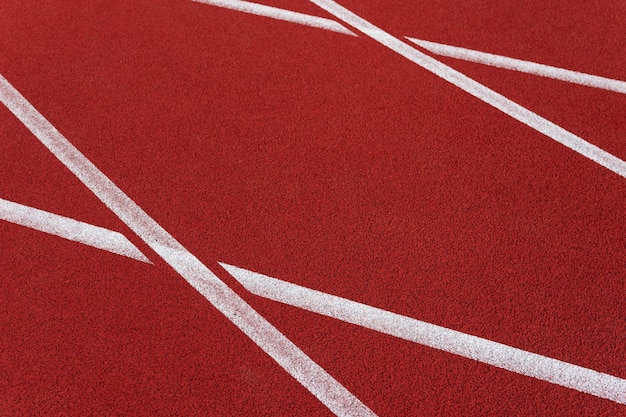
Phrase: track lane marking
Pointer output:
(500, 61)
(70, 229)
(477, 89)
(289, 356)
(279, 14)
(528, 67)
(471, 347)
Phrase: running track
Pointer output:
(383, 208)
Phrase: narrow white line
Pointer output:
(279, 14)
(70, 229)
(312, 376)
(522, 66)
(476, 89)
(437, 337)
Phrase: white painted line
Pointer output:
(437, 337)
(290, 357)
(279, 14)
(70, 229)
(476, 89)
(522, 66)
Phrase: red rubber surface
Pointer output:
(327, 161)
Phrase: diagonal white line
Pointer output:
(437, 337)
(279, 14)
(312, 376)
(476, 89)
(70, 229)
(522, 66)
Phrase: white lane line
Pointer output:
(476, 89)
(522, 66)
(280, 14)
(437, 337)
(290, 357)
(70, 229)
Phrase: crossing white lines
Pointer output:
(529, 67)
(467, 84)
(500, 61)
(486, 351)
(483, 93)
(329, 391)
(70, 229)
(289, 356)
(279, 14)
(482, 350)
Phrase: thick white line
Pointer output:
(279, 14)
(522, 66)
(476, 89)
(70, 229)
(437, 337)
(313, 377)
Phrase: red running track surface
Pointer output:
(327, 161)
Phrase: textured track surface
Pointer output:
(327, 161)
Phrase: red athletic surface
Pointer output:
(324, 160)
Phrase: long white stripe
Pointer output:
(70, 229)
(279, 14)
(452, 341)
(476, 89)
(313, 377)
(522, 66)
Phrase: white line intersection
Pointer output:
(331, 393)
(427, 334)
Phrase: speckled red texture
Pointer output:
(324, 160)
